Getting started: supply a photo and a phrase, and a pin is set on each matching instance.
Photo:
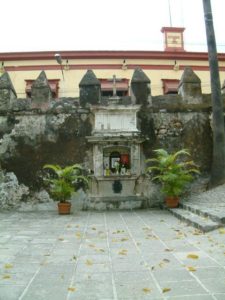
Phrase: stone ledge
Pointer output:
(203, 212)
(203, 223)
(116, 202)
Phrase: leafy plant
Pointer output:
(172, 172)
(62, 182)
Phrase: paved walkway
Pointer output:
(145, 254)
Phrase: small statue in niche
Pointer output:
(107, 170)
(117, 166)
(123, 170)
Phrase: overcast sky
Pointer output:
(45, 25)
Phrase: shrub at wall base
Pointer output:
(173, 173)
(63, 182)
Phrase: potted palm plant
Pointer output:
(173, 173)
(62, 182)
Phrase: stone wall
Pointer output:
(37, 139)
(32, 135)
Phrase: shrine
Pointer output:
(116, 148)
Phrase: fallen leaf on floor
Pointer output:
(93, 228)
(192, 256)
(8, 266)
(180, 235)
(6, 276)
(89, 262)
(197, 232)
(222, 230)
(161, 264)
(118, 231)
(74, 257)
(165, 290)
(78, 235)
(169, 250)
(72, 289)
(146, 290)
(151, 237)
(100, 250)
(124, 239)
(91, 245)
(68, 226)
(61, 239)
(122, 252)
(191, 269)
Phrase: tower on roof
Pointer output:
(173, 38)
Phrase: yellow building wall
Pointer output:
(70, 86)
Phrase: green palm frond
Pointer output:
(171, 171)
(65, 180)
(54, 168)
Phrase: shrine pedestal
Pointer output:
(114, 192)
(113, 186)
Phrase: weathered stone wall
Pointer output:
(11, 192)
(37, 139)
(172, 124)
(31, 136)
(29, 139)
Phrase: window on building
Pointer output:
(121, 86)
(54, 85)
(170, 86)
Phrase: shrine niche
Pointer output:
(116, 160)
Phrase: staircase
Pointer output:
(198, 218)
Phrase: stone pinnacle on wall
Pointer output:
(190, 87)
(140, 87)
(90, 89)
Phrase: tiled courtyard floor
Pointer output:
(144, 254)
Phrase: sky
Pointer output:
(54, 25)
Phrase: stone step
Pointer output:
(203, 223)
(203, 212)
(116, 202)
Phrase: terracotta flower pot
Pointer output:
(64, 208)
(172, 201)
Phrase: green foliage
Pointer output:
(62, 182)
(171, 171)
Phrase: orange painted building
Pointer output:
(164, 68)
